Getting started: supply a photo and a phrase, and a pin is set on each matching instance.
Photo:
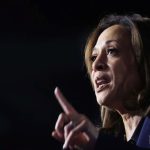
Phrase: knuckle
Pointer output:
(73, 132)
(83, 118)
(66, 128)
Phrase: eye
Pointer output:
(112, 51)
(93, 58)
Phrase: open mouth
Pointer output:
(101, 87)
(102, 83)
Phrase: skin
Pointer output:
(113, 57)
(72, 128)
(115, 79)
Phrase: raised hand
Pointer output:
(73, 128)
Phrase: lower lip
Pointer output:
(101, 87)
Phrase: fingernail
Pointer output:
(56, 89)
(52, 134)
(64, 146)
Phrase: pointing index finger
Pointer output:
(66, 106)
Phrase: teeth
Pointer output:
(101, 87)
(100, 82)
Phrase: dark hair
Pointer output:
(139, 28)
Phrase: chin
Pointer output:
(104, 96)
(103, 99)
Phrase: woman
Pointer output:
(118, 64)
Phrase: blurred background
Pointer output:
(41, 47)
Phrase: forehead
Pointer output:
(116, 34)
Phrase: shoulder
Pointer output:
(107, 141)
(144, 136)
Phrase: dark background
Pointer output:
(41, 46)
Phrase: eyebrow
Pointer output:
(107, 42)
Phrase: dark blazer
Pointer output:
(142, 142)
(144, 135)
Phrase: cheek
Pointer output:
(125, 78)
(119, 73)
(92, 79)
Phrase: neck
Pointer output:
(131, 121)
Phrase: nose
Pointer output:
(100, 63)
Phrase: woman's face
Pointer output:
(114, 68)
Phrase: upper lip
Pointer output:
(102, 79)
